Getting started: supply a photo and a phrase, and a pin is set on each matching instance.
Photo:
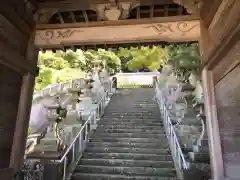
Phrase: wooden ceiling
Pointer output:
(72, 11)
(135, 13)
(69, 13)
(115, 46)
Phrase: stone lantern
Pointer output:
(56, 115)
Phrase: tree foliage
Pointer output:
(184, 59)
(62, 66)
(143, 57)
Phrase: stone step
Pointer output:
(91, 176)
(136, 130)
(190, 123)
(145, 150)
(128, 156)
(129, 126)
(140, 115)
(157, 121)
(202, 149)
(130, 109)
(127, 144)
(135, 124)
(133, 140)
(135, 171)
(126, 162)
(133, 135)
(140, 112)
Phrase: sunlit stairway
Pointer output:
(129, 142)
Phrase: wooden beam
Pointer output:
(85, 16)
(72, 15)
(138, 12)
(118, 22)
(222, 46)
(24, 109)
(209, 9)
(16, 20)
(212, 125)
(152, 11)
(14, 60)
(25, 102)
(10, 35)
(227, 64)
(60, 17)
(166, 9)
(180, 10)
(6, 174)
(177, 31)
(223, 26)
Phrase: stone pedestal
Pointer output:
(49, 144)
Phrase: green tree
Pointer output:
(185, 60)
(44, 78)
(146, 57)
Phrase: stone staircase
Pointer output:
(129, 142)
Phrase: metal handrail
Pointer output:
(78, 145)
(176, 151)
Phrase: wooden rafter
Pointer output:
(118, 22)
(166, 7)
(85, 16)
(60, 17)
(138, 12)
(72, 16)
(180, 10)
(151, 11)
(116, 46)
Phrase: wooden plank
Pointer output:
(22, 122)
(6, 174)
(6, 142)
(222, 47)
(212, 125)
(23, 9)
(9, 97)
(229, 62)
(118, 22)
(208, 10)
(16, 20)
(225, 20)
(228, 101)
(13, 59)
(24, 108)
(204, 42)
(12, 35)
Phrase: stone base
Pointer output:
(49, 144)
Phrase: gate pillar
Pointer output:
(18, 59)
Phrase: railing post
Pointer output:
(114, 84)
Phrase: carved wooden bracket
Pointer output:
(113, 12)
